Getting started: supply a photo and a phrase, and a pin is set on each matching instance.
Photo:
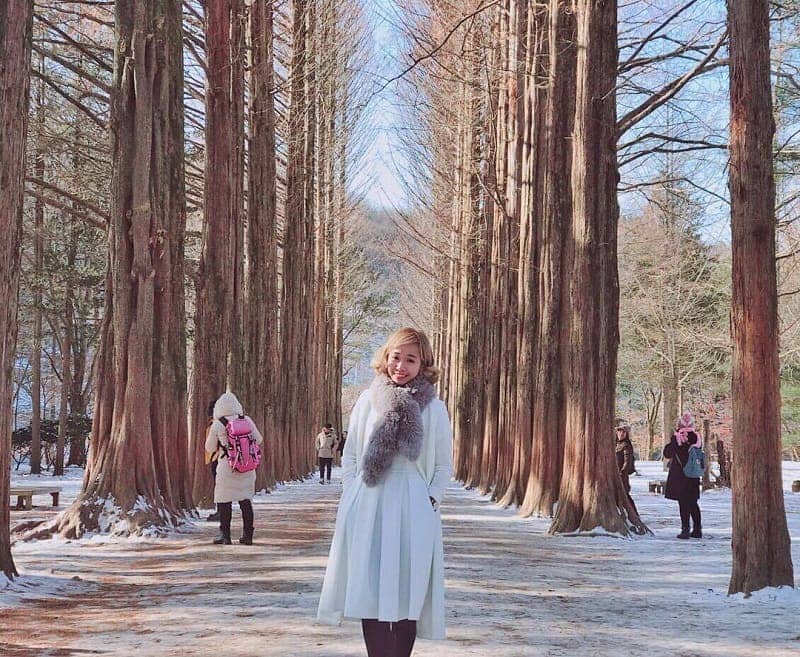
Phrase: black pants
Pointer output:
(325, 463)
(626, 484)
(389, 639)
(225, 512)
(689, 508)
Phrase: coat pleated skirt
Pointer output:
(233, 486)
(385, 554)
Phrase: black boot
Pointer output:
(247, 522)
(684, 532)
(225, 512)
(697, 532)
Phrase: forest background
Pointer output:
(674, 246)
(272, 240)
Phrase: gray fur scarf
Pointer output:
(399, 429)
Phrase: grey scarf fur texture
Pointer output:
(399, 429)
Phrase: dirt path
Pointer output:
(512, 591)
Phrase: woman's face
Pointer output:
(403, 363)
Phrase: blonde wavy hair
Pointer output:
(407, 335)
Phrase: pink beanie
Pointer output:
(685, 426)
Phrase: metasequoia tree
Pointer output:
(15, 54)
(38, 274)
(527, 171)
(216, 311)
(546, 435)
(136, 475)
(761, 544)
(586, 499)
(293, 456)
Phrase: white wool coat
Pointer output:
(230, 486)
(349, 588)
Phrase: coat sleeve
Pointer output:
(212, 437)
(443, 460)
(670, 448)
(349, 465)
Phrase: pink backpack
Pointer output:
(242, 451)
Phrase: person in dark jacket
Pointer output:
(686, 490)
(625, 461)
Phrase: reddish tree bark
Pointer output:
(214, 317)
(591, 493)
(16, 18)
(761, 543)
(547, 424)
(295, 441)
(136, 476)
(260, 392)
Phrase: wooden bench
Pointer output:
(25, 494)
(656, 486)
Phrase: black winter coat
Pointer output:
(679, 486)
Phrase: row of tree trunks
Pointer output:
(139, 441)
(548, 173)
(137, 477)
(16, 19)
(761, 544)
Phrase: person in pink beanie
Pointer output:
(686, 490)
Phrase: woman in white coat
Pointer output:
(386, 564)
(231, 486)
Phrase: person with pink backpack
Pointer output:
(237, 440)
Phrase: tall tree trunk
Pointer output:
(215, 312)
(547, 453)
(761, 543)
(298, 261)
(591, 493)
(16, 18)
(138, 455)
(669, 400)
(261, 394)
(66, 377)
(491, 437)
(75, 397)
(238, 54)
(38, 276)
(506, 491)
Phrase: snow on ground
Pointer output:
(512, 590)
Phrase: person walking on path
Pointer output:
(686, 490)
(231, 486)
(625, 461)
(326, 446)
(386, 562)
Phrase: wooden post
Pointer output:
(724, 472)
